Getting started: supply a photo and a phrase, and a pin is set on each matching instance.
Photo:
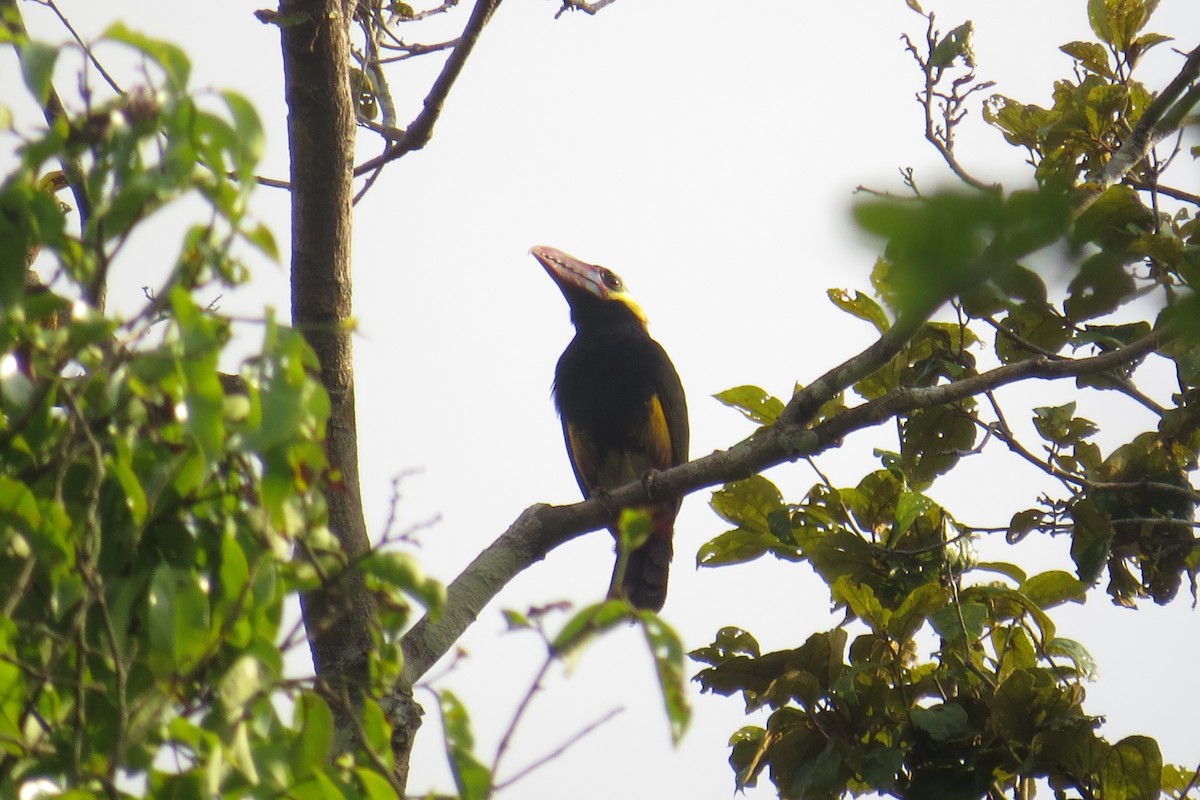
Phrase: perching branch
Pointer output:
(541, 528)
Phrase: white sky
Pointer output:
(707, 151)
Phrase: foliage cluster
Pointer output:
(156, 514)
(952, 680)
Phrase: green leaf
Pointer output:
(1132, 770)
(816, 777)
(1100, 20)
(1114, 220)
(667, 650)
(955, 44)
(401, 571)
(374, 785)
(1060, 426)
(1049, 589)
(37, 67)
(1091, 55)
(956, 618)
(634, 527)
(861, 600)
(314, 721)
(1004, 568)
(934, 441)
(946, 722)
(250, 137)
(916, 607)
(1076, 652)
(860, 306)
(754, 403)
(514, 620)
(589, 622)
(172, 59)
(748, 503)
(737, 546)
(1091, 538)
(473, 779)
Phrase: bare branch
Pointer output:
(1177, 194)
(558, 751)
(951, 103)
(583, 5)
(418, 132)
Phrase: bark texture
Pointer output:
(321, 131)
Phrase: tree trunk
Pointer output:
(321, 132)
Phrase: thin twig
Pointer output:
(583, 5)
(546, 759)
(417, 134)
(534, 687)
(87, 50)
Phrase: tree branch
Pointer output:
(1161, 117)
(583, 5)
(339, 616)
(418, 132)
(541, 528)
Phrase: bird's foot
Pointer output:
(604, 498)
(648, 481)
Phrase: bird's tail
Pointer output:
(647, 569)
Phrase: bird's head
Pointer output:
(592, 291)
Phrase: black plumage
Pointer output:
(622, 406)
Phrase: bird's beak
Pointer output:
(568, 271)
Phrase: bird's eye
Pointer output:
(612, 281)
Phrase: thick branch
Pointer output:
(418, 132)
(542, 528)
(316, 57)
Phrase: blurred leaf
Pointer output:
(634, 526)
(314, 721)
(933, 246)
(589, 622)
(172, 59)
(1114, 220)
(1101, 286)
(401, 571)
(667, 650)
(37, 67)
(473, 779)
